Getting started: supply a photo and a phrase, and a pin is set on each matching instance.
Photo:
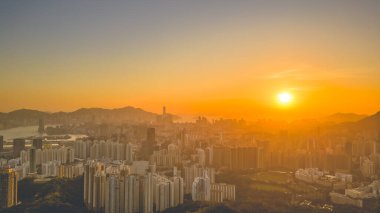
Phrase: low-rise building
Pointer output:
(357, 196)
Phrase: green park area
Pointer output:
(273, 176)
(269, 188)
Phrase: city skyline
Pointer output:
(190, 106)
(214, 58)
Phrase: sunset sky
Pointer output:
(214, 58)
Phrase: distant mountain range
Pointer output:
(129, 114)
(368, 124)
(344, 117)
(24, 117)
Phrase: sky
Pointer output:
(210, 57)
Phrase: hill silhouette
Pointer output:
(24, 117)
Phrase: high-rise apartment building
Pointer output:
(61, 154)
(103, 149)
(194, 171)
(178, 190)
(367, 167)
(32, 160)
(8, 188)
(167, 157)
(201, 188)
(120, 188)
(208, 156)
(70, 170)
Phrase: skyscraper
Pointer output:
(1, 143)
(32, 160)
(41, 126)
(151, 135)
(209, 156)
(165, 118)
(128, 152)
(37, 143)
(99, 191)
(149, 144)
(348, 148)
(8, 188)
(178, 190)
(18, 145)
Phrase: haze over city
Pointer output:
(213, 58)
(179, 106)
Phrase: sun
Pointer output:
(284, 98)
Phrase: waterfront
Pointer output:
(29, 132)
(19, 132)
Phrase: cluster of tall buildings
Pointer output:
(238, 157)
(203, 156)
(38, 156)
(190, 173)
(328, 153)
(169, 157)
(19, 145)
(113, 180)
(71, 170)
(221, 192)
(48, 160)
(326, 160)
(199, 181)
(103, 150)
(117, 187)
(39, 160)
(50, 169)
(57, 169)
(368, 166)
(256, 157)
(203, 189)
(136, 177)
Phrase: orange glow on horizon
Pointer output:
(212, 64)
